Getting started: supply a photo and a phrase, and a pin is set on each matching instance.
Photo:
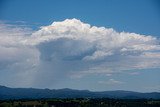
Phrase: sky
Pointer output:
(97, 45)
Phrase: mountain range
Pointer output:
(33, 93)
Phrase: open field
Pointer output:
(81, 102)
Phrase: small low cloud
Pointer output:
(155, 88)
(134, 73)
(111, 82)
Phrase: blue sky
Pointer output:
(55, 69)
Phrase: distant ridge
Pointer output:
(33, 93)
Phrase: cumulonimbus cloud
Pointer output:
(71, 48)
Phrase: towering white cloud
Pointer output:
(72, 48)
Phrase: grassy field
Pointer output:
(80, 102)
